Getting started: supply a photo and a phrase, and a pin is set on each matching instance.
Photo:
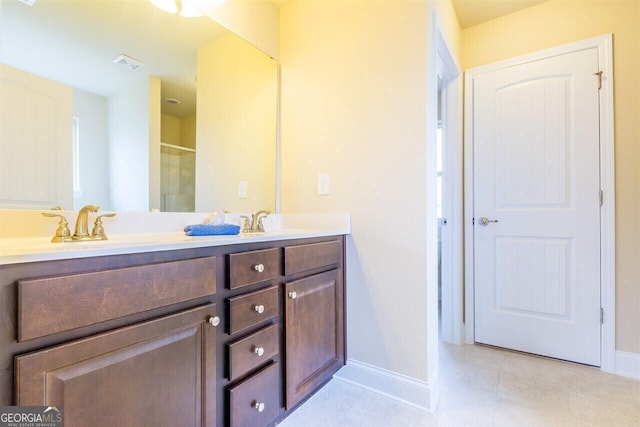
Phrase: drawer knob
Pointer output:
(293, 295)
(259, 268)
(213, 320)
(259, 351)
(259, 309)
(259, 406)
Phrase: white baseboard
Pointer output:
(628, 364)
(420, 394)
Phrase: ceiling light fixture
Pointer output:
(181, 7)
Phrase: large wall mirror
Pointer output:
(121, 104)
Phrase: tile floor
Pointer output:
(483, 386)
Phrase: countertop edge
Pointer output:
(143, 244)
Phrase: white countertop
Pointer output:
(15, 250)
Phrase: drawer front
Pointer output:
(256, 401)
(253, 351)
(247, 268)
(315, 255)
(44, 304)
(252, 309)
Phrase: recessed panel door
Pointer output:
(537, 207)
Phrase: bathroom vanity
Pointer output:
(211, 334)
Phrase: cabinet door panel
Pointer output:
(314, 333)
(157, 373)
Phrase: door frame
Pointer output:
(604, 45)
(452, 234)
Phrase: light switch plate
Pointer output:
(323, 184)
(243, 188)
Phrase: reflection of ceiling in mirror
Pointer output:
(75, 42)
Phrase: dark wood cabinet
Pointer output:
(313, 333)
(192, 337)
(156, 373)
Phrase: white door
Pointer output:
(536, 174)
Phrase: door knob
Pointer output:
(484, 220)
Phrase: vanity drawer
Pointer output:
(250, 352)
(247, 268)
(253, 308)
(256, 401)
(44, 304)
(315, 255)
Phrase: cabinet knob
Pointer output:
(259, 406)
(213, 320)
(259, 268)
(259, 309)
(293, 295)
(258, 351)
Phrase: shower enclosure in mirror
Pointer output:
(109, 66)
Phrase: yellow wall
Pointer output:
(236, 126)
(170, 130)
(188, 131)
(558, 22)
(354, 106)
(179, 131)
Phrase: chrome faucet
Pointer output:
(82, 229)
(254, 225)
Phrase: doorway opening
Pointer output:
(448, 179)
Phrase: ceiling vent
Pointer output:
(129, 62)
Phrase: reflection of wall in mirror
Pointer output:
(236, 127)
(131, 148)
(93, 150)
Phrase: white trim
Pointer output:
(628, 364)
(452, 243)
(607, 218)
(390, 384)
(607, 212)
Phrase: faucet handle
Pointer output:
(62, 233)
(245, 224)
(98, 229)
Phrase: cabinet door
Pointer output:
(314, 334)
(156, 373)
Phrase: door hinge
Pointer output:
(599, 74)
(601, 197)
(601, 316)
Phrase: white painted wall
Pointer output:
(129, 148)
(91, 111)
(354, 105)
(154, 108)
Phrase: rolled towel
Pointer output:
(211, 229)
